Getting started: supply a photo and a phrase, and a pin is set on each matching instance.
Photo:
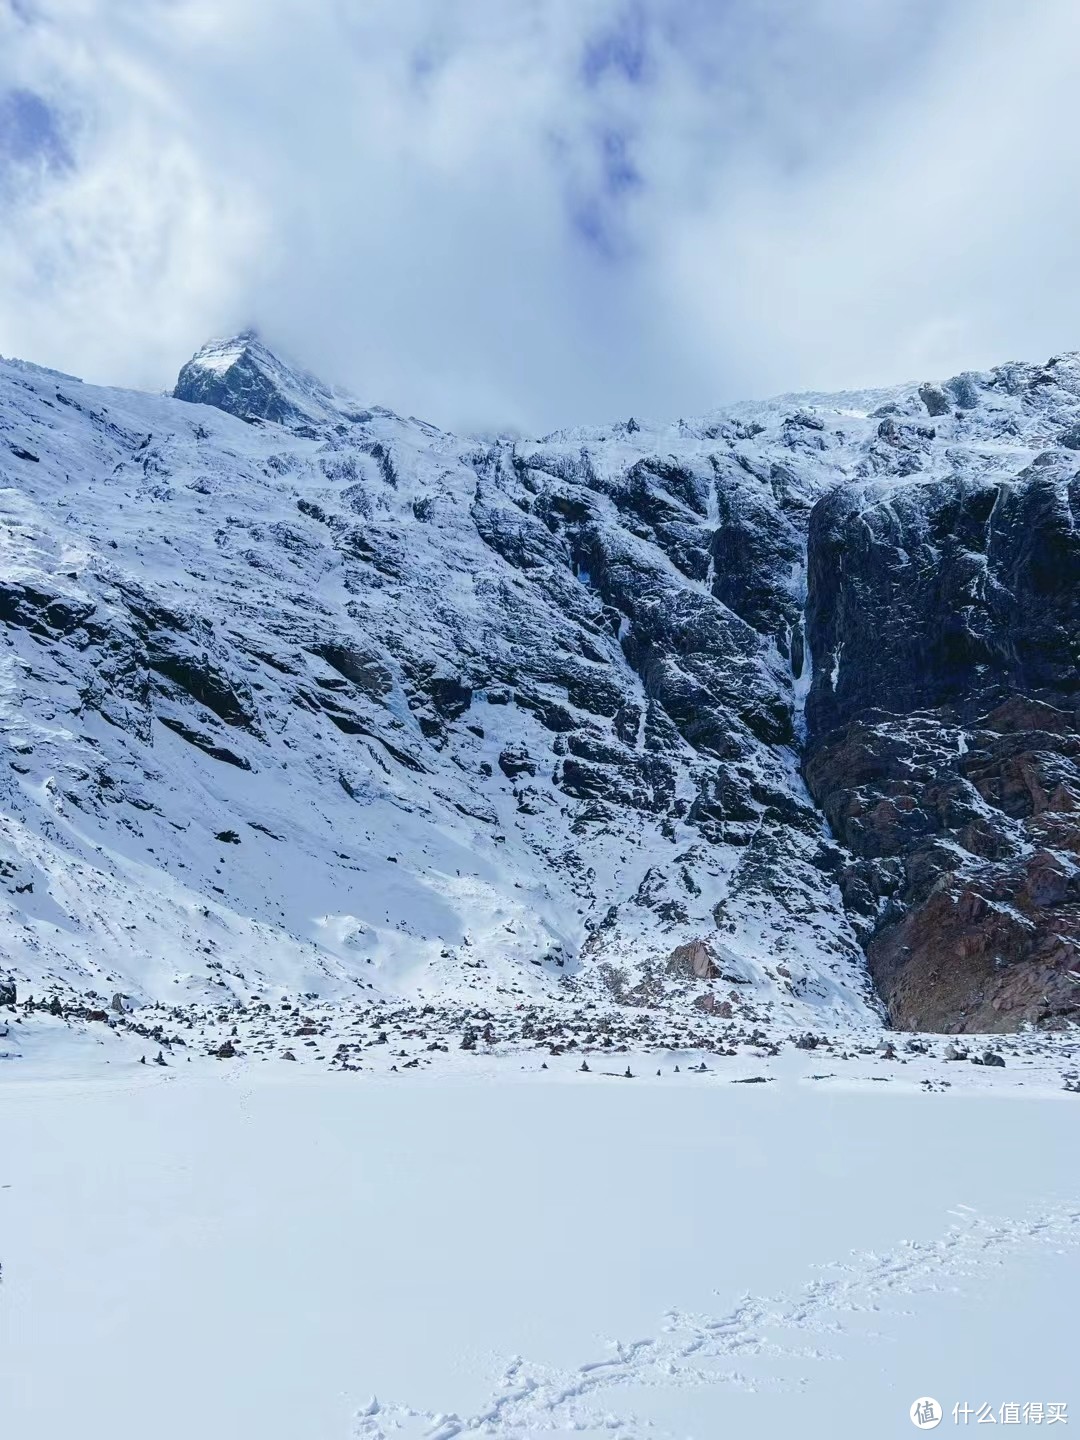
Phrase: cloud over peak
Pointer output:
(537, 212)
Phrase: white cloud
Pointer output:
(544, 211)
(940, 238)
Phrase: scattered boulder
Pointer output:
(719, 1009)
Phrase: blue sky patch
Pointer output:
(31, 133)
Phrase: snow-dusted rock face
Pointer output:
(944, 737)
(241, 376)
(299, 695)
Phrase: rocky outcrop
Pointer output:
(949, 591)
(694, 961)
(963, 880)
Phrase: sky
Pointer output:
(522, 214)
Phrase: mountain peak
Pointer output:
(243, 376)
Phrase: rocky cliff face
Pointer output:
(943, 719)
(298, 694)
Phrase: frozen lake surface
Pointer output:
(517, 1252)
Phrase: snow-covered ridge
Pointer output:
(301, 696)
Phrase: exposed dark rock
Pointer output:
(944, 744)
(206, 743)
(368, 672)
(204, 681)
(935, 399)
(515, 760)
(246, 379)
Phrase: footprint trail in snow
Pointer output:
(693, 1351)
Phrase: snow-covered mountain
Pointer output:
(300, 696)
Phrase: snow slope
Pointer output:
(333, 710)
(303, 697)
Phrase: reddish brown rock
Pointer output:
(695, 961)
(961, 882)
